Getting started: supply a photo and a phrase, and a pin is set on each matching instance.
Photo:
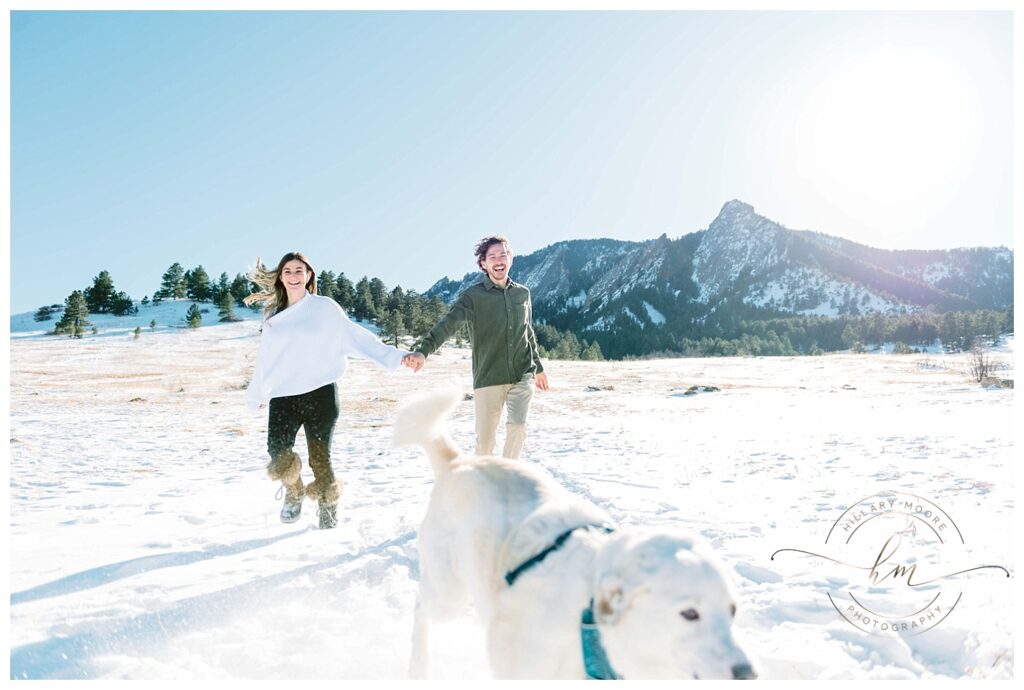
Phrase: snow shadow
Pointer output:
(71, 656)
(97, 577)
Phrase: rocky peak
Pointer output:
(734, 210)
(737, 241)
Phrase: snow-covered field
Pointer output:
(145, 540)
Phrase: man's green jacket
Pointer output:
(500, 328)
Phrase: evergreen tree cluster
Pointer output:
(396, 312)
(102, 298)
(955, 330)
(555, 344)
(195, 284)
(177, 283)
(75, 318)
(45, 313)
(399, 312)
(99, 298)
(810, 335)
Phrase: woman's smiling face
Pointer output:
(295, 276)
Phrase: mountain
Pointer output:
(743, 266)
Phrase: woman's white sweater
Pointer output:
(307, 346)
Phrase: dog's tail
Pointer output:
(420, 423)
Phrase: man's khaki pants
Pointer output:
(489, 401)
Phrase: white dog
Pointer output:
(559, 594)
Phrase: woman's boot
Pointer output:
(326, 497)
(287, 468)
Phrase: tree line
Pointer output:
(396, 312)
(177, 283)
(399, 313)
(815, 335)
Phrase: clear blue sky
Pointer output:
(387, 143)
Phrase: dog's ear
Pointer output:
(610, 600)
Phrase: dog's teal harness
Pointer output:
(595, 659)
(513, 575)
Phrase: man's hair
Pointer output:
(486, 243)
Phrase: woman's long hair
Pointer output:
(272, 292)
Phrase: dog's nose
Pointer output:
(743, 672)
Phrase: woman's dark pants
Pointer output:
(317, 412)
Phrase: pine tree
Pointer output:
(591, 352)
(122, 305)
(344, 292)
(98, 297)
(393, 327)
(852, 338)
(137, 332)
(568, 347)
(181, 290)
(43, 314)
(76, 316)
(197, 284)
(226, 307)
(393, 302)
(431, 311)
(412, 314)
(194, 318)
(547, 336)
(222, 285)
(380, 294)
(363, 307)
(325, 284)
(152, 325)
(172, 285)
(240, 289)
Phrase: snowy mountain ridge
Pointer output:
(738, 241)
(743, 258)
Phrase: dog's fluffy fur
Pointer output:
(663, 605)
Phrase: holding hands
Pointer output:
(414, 360)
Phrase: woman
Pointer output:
(304, 349)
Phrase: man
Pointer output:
(505, 360)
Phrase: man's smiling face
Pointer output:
(497, 262)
